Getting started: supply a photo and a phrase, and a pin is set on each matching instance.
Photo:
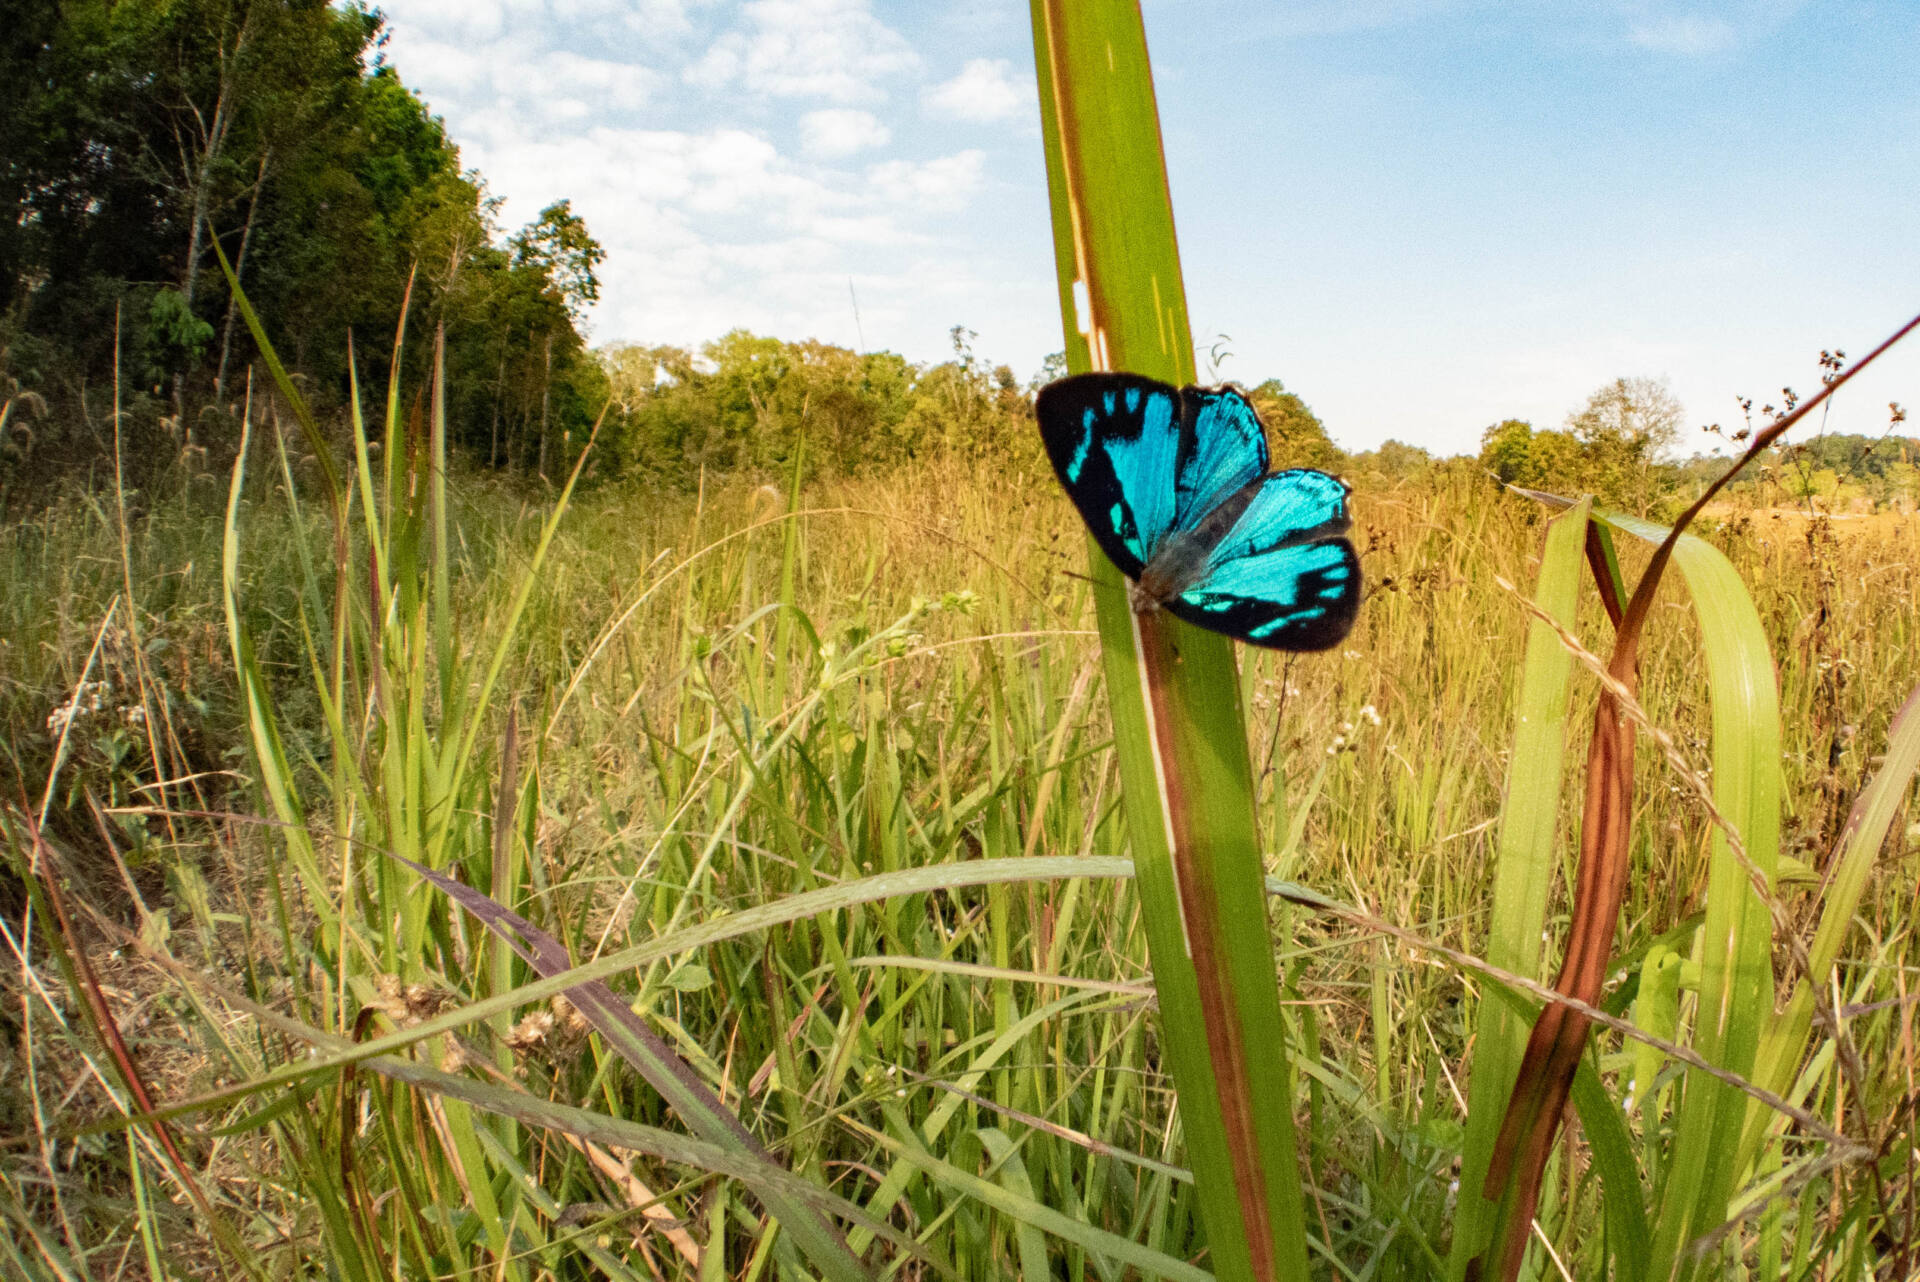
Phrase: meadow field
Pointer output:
(708, 812)
(711, 702)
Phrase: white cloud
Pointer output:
(505, 71)
(841, 131)
(831, 49)
(1691, 35)
(624, 86)
(986, 90)
(751, 207)
(937, 184)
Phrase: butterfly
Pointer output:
(1175, 487)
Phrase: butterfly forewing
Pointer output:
(1115, 444)
(1222, 450)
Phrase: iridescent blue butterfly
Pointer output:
(1175, 487)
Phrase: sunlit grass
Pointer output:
(649, 801)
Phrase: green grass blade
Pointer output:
(691, 1100)
(1736, 981)
(1012, 1171)
(274, 771)
(767, 1179)
(781, 912)
(1873, 813)
(1623, 1203)
(1179, 731)
(1099, 1242)
(1524, 871)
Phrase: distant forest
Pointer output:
(140, 141)
(137, 136)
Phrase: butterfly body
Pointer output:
(1173, 484)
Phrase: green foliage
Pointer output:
(1837, 473)
(987, 736)
(1506, 450)
(1393, 463)
(748, 404)
(557, 247)
(174, 339)
(1614, 447)
(135, 134)
(1295, 436)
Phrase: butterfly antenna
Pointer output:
(1087, 579)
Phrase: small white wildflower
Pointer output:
(1351, 654)
(1370, 714)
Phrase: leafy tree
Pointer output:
(1295, 437)
(1625, 432)
(746, 403)
(558, 247)
(137, 134)
(1614, 447)
(1505, 450)
(1394, 461)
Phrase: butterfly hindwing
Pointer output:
(1282, 577)
(1115, 444)
(1292, 507)
(1297, 597)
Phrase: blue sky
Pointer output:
(1425, 216)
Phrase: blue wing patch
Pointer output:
(1223, 451)
(1115, 444)
(1175, 488)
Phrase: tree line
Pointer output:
(1621, 447)
(142, 140)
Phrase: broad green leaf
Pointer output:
(1736, 981)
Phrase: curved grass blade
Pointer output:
(781, 912)
(1736, 980)
(1026, 1210)
(698, 1107)
(771, 1182)
(1559, 1034)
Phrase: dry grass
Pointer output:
(984, 735)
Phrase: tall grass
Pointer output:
(978, 1066)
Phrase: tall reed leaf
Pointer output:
(1735, 963)
(1178, 726)
(1523, 875)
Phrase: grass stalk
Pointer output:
(1174, 691)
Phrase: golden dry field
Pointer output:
(726, 700)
